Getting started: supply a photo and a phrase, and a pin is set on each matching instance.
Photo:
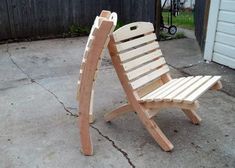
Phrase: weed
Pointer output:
(75, 30)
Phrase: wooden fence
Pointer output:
(43, 18)
(201, 18)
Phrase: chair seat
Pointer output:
(185, 89)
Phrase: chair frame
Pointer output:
(97, 41)
(144, 109)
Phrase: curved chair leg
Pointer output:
(192, 115)
(155, 131)
(118, 112)
(91, 115)
(86, 143)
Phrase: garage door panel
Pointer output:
(227, 16)
(222, 59)
(225, 50)
(225, 38)
(228, 5)
(226, 27)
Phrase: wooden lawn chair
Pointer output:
(97, 41)
(145, 77)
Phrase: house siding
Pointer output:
(223, 48)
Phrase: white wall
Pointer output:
(220, 40)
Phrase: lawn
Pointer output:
(184, 20)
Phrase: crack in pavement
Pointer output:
(68, 111)
(34, 81)
(114, 145)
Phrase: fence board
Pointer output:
(201, 19)
(38, 18)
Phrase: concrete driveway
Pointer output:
(38, 112)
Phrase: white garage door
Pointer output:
(220, 42)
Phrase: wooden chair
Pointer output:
(144, 75)
(97, 41)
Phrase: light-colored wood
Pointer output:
(180, 89)
(145, 68)
(118, 112)
(162, 104)
(141, 60)
(149, 77)
(136, 42)
(202, 89)
(105, 13)
(125, 32)
(96, 42)
(151, 96)
(190, 89)
(217, 86)
(132, 97)
(147, 82)
(139, 51)
(143, 91)
(192, 115)
(161, 96)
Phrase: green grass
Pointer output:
(184, 20)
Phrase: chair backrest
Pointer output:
(140, 56)
(95, 33)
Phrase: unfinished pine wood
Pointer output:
(147, 83)
(143, 91)
(139, 51)
(160, 96)
(192, 115)
(96, 43)
(118, 112)
(141, 60)
(151, 96)
(181, 88)
(136, 42)
(146, 68)
(217, 86)
(190, 89)
(149, 77)
(198, 92)
(162, 104)
(132, 97)
(132, 30)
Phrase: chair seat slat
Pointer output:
(170, 96)
(193, 96)
(191, 89)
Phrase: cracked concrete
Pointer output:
(37, 95)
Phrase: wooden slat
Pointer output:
(150, 87)
(158, 89)
(151, 76)
(162, 90)
(145, 68)
(141, 60)
(138, 51)
(202, 89)
(172, 89)
(125, 32)
(191, 89)
(136, 42)
(181, 88)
